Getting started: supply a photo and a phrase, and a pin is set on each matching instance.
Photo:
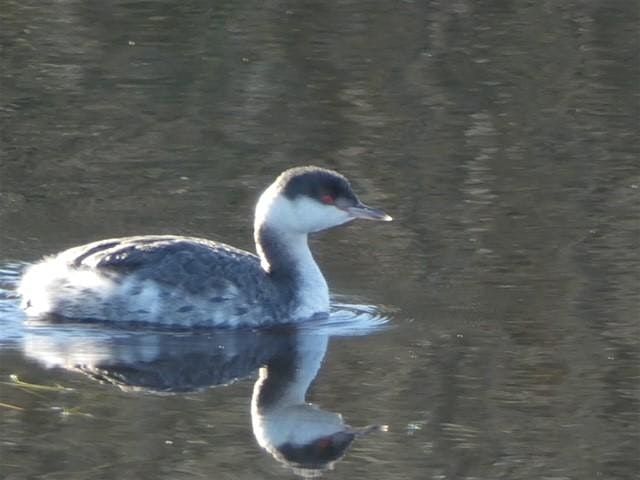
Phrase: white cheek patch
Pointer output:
(314, 216)
(301, 215)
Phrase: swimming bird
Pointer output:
(189, 282)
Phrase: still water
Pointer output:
(492, 327)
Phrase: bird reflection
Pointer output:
(295, 432)
(304, 437)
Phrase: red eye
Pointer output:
(328, 199)
(323, 443)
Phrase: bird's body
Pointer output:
(166, 280)
(187, 282)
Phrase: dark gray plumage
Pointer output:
(222, 278)
(316, 183)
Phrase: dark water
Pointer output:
(503, 138)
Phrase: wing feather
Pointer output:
(193, 264)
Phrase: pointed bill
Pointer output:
(363, 211)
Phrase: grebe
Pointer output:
(189, 282)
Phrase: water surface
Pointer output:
(501, 136)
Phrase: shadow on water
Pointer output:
(300, 435)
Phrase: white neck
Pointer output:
(289, 255)
(284, 253)
(313, 292)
